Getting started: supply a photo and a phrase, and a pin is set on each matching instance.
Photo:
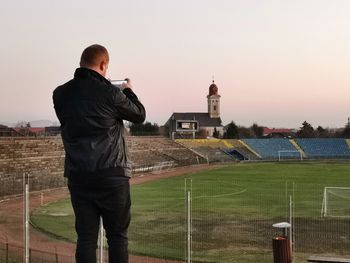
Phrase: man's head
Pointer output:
(95, 57)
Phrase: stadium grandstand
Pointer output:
(216, 150)
(270, 148)
(242, 151)
(43, 158)
(147, 151)
(326, 148)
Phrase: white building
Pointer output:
(203, 122)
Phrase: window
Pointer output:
(214, 108)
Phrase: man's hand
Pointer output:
(127, 84)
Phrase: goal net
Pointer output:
(336, 202)
(289, 155)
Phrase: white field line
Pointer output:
(214, 196)
(221, 195)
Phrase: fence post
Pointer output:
(56, 255)
(26, 251)
(188, 204)
(7, 252)
(30, 255)
(101, 241)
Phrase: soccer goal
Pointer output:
(289, 155)
(336, 202)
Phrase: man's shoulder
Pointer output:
(60, 93)
(62, 87)
(87, 88)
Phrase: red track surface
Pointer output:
(11, 218)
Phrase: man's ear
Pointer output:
(103, 67)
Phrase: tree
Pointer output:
(164, 130)
(306, 131)
(144, 129)
(346, 131)
(24, 128)
(322, 133)
(244, 132)
(231, 131)
(257, 130)
(216, 134)
(22, 124)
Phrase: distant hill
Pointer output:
(7, 124)
(41, 123)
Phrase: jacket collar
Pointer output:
(89, 73)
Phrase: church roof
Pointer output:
(203, 118)
(213, 89)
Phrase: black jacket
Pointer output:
(91, 112)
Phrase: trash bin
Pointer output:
(281, 245)
(281, 250)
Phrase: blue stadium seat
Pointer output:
(327, 148)
(269, 148)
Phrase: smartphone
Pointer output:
(118, 83)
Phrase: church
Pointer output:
(204, 124)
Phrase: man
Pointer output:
(91, 112)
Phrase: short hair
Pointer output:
(92, 55)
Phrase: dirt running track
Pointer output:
(11, 218)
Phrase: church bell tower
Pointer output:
(213, 101)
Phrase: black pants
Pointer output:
(112, 203)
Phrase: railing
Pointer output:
(155, 167)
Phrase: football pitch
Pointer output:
(233, 209)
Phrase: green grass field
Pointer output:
(233, 209)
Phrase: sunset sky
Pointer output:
(276, 62)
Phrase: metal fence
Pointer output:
(229, 213)
(232, 212)
(10, 253)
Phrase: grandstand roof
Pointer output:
(203, 118)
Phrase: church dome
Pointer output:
(213, 89)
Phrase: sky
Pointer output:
(276, 62)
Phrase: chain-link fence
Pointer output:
(227, 217)
(232, 212)
(10, 253)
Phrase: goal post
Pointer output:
(336, 202)
(289, 155)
